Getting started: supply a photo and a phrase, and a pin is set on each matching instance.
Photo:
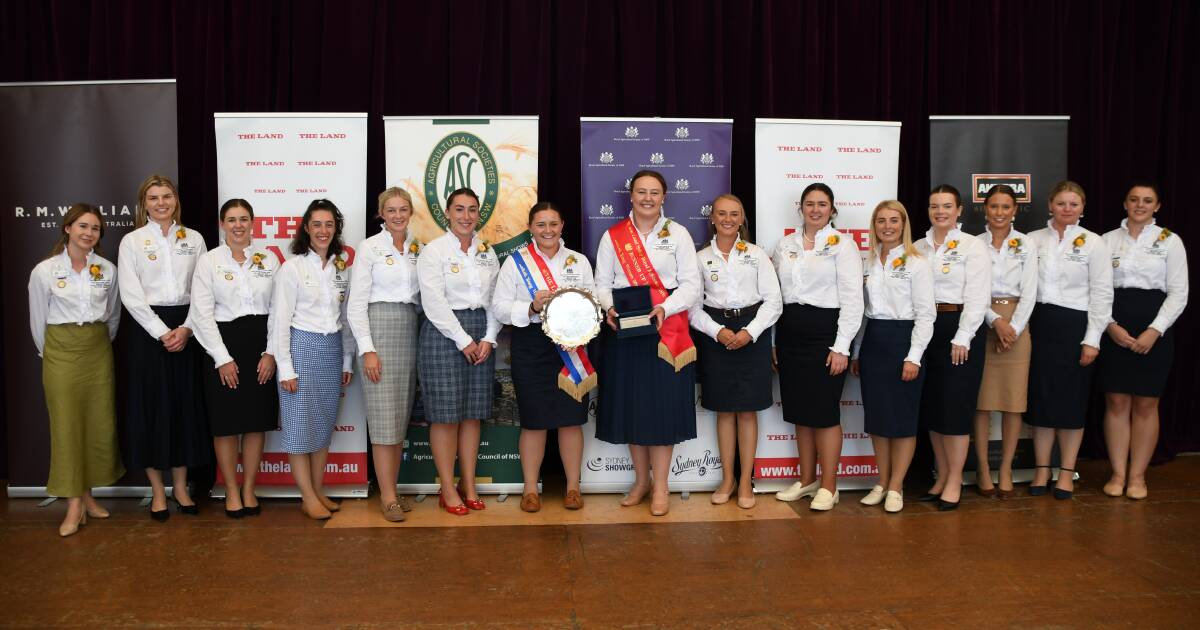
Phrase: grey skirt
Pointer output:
(452, 389)
(390, 401)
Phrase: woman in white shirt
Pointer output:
(820, 273)
(167, 428)
(1150, 276)
(955, 356)
(552, 383)
(741, 303)
(231, 305)
(382, 312)
(648, 382)
(1074, 305)
(455, 364)
(313, 347)
(887, 354)
(1006, 367)
(73, 315)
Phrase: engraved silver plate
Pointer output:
(571, 317)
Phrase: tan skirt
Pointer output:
(1005, 374)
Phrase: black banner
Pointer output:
(66, 143)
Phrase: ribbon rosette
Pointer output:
(96, 271)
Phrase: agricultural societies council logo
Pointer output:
(461, 160)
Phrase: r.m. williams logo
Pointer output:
(631, 132)
(706, 210)
(606, 158)
(606, 210)
(681, 132)
(461, 160)
(706, 158)
(681, 184)
(981, 183)
(656, 158)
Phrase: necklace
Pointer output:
(804, 235)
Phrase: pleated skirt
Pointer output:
(1005, 385)
(890, 405)
(78, 376)
(1058, 385)
(167, 425)
(1123, 371)
(811, 396)
(389, 402)
(536, 365)
(643, 400)
(252, 407)
(950, 392)
(309, 415)
(452, 389)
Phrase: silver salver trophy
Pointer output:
(571, 317)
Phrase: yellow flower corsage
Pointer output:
(257, 259)
(1164, 234)
(570, 260)
(740, 245)
(340, 263)
(483, 247)
(833, 239)
(664, 232)
(1079, 240)
(97, 272)
(899, 262)
(1014, 244)
(414, 248)
(181, 234)
(951, 244)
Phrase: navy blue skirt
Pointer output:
(734, 380)
(890, 405)
(536, 364)
(1123, 371)
(1058, 385)
(643, 400)
(811, 396)
(950, 392)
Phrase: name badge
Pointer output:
(901, 274)
(664, 246)
(1077, 258)
(312, 284)
(103, 283)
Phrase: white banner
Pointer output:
(280, 163)
(859, 161)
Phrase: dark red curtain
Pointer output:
(1123, 70)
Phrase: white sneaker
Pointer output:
(798, 490)
(874, 497)
(894, 502)
(825, 500)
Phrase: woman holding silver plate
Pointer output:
(552, 379)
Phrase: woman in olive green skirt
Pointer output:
(73, 315)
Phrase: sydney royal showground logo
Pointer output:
(461, 160)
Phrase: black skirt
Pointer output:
(1058, 385)
(251, 408)
(643, 400)
(890, 405)
(536, 365)
(950, 392)
(1123, 371)
(803, 336)
(166, 425)
(737, 380)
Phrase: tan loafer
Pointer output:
(531, 502)
(393, 512)
(573, 500)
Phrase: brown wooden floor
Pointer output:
(1025, 562)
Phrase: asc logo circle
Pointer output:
(461, 160)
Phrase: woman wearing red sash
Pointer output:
(647, 382)
(550, 394)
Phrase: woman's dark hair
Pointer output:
(947, 188)
(820, 187)
(543, 205)
(1144, 183)
(461, 191)
(236, 203)
(301, 243)
(1000, 189)
(77, 210)
(649, 173)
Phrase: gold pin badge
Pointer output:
(1116, 263)
(341, 297)
(713, 277)
(147, 241)
(229, 276)
(390, 261)
(945, 268)
(62, 284)
(454, 268)
(153, 257)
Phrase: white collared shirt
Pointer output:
(156, 270)
(962, 274)
(312, 298)
(673, 257)
(452, 280)
(1074, 276)
(511, 300)
(1153, 261)
(746, 279)
(1014, 274)
(827, 276)
(224, 289)
(380, 273)
(58, 295)
(901, 288)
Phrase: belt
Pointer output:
(1005, 300)
(949, 308)
(730, 313)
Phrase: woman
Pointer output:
(314, 349)
(820, 272)
(1074, 305)
(455, 364)
(1150, 275)
(167, 427)
(887, 355)
(73, 315)
(1006, 363)
(648, 382)
(954, 359)
(741, 302)
(382, 313)
(231, 303)
(552, 383)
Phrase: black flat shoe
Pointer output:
(946, 506)
(161, 515)
(1063, 495)
(929, 498)
(238, 513)
(252, 511)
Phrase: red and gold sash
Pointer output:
(675, 344)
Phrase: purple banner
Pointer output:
(693, 156)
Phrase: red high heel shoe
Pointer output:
(457, 510)
(474, 504)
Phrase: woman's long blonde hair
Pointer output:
(906, 232)
(140, 217)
